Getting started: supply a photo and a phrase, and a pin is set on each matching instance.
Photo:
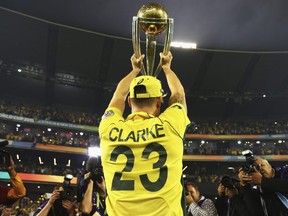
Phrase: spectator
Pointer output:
(270, 185)
(221, 202)
(197, 204)
(8, 196)
(229, 201)
(91, 189)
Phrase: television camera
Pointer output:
(4, 155)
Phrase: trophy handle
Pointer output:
(150, 53)
(136, 40)
(167, 43)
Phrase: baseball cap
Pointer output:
(152, 87)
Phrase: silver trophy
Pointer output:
(153, 20)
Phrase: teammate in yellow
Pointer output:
(142, 155)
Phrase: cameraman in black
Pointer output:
(91, 189)
(270, 184)
(61, 202)
(232, 200)
(8, 196)
(221, 202)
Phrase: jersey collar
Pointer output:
(139, 116)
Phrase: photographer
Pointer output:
(8, 196)
(232, 199)
(91, 189)
(61, 202)
(221, 202)
(270, 184)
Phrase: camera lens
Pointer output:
(4, 159)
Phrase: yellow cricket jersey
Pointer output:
(142, 161)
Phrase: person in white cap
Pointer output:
(142, 154)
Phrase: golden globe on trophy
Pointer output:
(153, 20)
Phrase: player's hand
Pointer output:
(165, 60)
(137, 63)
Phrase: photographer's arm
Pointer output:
(102, 187)
(18, 189)
(45, 210)
(86, 203)
(272, 184)
(69, 206)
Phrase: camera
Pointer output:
(96, 175)
(229, 182)
(94, 166)
(4, 156)
(4, 159)
(68, 192)
(250, 162)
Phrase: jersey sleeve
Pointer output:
(110, 116)
(18, 189)
(176, 116)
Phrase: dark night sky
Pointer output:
(220, 24)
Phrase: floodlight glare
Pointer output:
(94, 151)
(184, 45)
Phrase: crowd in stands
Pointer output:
(233, 148)
(48, 113)
(84, 118)
(278, 150)
(84, 139)
(240, 127)
(44, 135)
(76, 138)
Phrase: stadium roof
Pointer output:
(238, 70)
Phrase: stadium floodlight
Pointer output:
(184, 45)
(94, 151)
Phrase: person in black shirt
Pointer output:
(56, 206)
(271, 184)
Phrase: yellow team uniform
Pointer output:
(142, 161)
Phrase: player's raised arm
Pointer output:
(122, 90)
(175, 86)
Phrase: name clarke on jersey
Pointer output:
(121, 135)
